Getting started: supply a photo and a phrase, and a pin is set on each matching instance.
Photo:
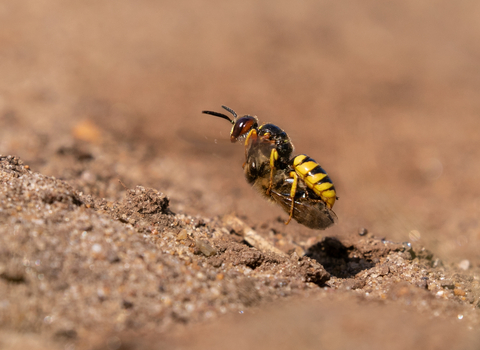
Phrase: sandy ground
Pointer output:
(125, 219)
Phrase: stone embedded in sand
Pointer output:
(205, 248)
(182, 235)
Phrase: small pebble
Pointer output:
(464, 265)
(205, 248)
(182, 235)
(352, 284)
(362, 231)
(383, 270)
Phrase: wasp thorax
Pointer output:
(242, 127)
(279, 138)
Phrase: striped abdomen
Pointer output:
(315, 178)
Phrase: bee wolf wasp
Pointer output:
(298, 184)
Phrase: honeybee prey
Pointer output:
(298, 184)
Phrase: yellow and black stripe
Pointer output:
(315, 178)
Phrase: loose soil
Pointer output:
(125, 221)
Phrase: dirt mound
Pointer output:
(92, 269)
(129, 222)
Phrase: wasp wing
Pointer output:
(310, 212)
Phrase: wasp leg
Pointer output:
(252, 134)
(293, 190)
(273, 158)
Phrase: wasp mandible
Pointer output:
(298, 184)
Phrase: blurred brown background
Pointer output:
(384, 95)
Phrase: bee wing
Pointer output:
(312, 213)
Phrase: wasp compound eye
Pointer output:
(242, 126)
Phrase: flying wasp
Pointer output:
(298, 184)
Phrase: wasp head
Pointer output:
(241, 126)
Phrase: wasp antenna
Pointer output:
(220, 115)
(230, 110)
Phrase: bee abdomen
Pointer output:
(315, 178)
